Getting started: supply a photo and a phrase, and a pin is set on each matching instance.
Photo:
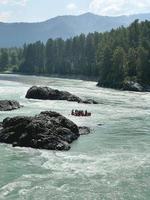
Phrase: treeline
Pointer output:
(115, 57)
(124, 55)
(74, 56)
(10, 59)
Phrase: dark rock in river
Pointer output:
(7, 105)
(48, 130)
(133, 86)
(89, 101)
(46, 93)
(130, 86)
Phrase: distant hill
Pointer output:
(16, 34)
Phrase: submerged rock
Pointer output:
(48, 130)
(83, 130)
(7, 105)
(90, 101)
(99, 124)
(46, 93)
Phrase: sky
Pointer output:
(40, 10)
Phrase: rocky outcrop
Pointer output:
(48, 130)
(129, 86)
(46, 93)
(135, 86)
(7, 105)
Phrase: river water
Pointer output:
(112, 163)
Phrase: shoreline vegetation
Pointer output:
(119, 59)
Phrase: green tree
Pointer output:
(131, 63)
(104, 62)
(118, 69)
(4, 60)
(143, 65)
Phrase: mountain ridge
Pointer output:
(18, 33)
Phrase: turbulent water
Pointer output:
(112, 163)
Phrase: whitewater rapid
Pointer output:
(112, 163)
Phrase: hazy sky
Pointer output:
(39, 10)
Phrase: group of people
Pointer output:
(80, 113)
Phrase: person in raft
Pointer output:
(80, 113)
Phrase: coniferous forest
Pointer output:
(113, 57)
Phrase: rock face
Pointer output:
(48, 130)
(46, 93)
(6, 105)
(133, 86)
(137, 87)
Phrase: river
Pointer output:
(111, 163)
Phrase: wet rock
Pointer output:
(128, 86)
(48, 130)
(7, 105)
(90, 101)
(1, 125)
(136, 87)
(133, 86)
(46, 93)
(83, 130)
(99, 124)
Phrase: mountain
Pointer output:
(16, 34)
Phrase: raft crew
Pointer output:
(80, 113)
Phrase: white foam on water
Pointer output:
(10, 187)
(112, 163)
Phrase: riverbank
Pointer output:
(70, 76)
(127, 86)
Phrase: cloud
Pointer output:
(3, 1)
(21, 2)
(14, 2)
(71, 7)
(119, 7)
(4, 16)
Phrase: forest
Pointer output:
(112, 57)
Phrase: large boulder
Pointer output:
(46, 93)
(7, 105)
(48, 130)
